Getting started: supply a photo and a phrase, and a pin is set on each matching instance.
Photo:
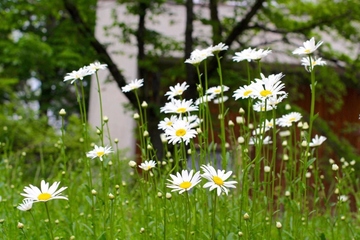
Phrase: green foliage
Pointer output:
(24, 134)
(39, 40)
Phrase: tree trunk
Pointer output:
(215, 22)
(189, 42)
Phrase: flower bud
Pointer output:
(144, 104)
(62, 112)
(278, 225)
(132, 164)
(20, 225)
(335, 167)
(168, 195)
(111, 196)
(240, 120)
(163, 138)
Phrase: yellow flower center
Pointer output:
(265, 93)
(180, 132)
(181, 110)
(44, 196)
(247, 93)
(307, 51)
(169, 123)
(185, 185)
(179, 92)
(292, 119)
(100, 153)
(148, 167)
(218, 180)
(217, 91)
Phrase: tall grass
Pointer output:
(253, 177)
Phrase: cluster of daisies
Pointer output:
(266, 92)
(84, 71)
(186, 180)
(216, 179)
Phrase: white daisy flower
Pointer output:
(271, 79)
(167, 122)
(260, 106)
(243, 92)
(250, 54)
(96, 66)
(305, 61)
(273, 101)
(197, 56)
(133, 85)
(26, 205)
(99, 152)
(193, 120)
(147, 165)
(245, 54)
(177, 90)
(317, 141)
(184, 181)
(268, 87)
(268, 125)
(180, 131)
(308, 48)
(220, 99)
(179, 106)
(260, 53)
(204, 99)
(44, 194)
(217, 90)
(255, 140)
(218, 48)
(288, 119)
(217, 179)
(79, 74)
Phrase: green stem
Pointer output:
(142, 128)
(63, 155)
(50, 225)
(36, 225)
(187, 215)
(222, 114)
(81, 101)
(101, 110)
(112, 236)
(213, 219)
(311, 121)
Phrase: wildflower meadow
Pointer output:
(256, 176)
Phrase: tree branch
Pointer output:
(239, 28)
(103, 55)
